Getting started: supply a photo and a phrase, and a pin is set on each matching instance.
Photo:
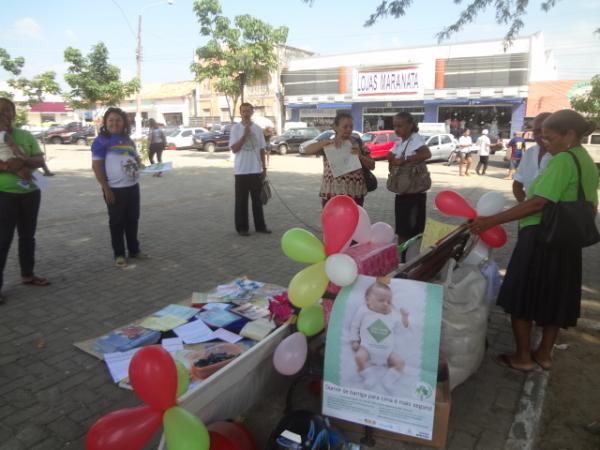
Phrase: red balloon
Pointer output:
(495, 237)
(338, 222)
(153, 376)
(237, 435)
(218, 442)
(125, 429)
(452, 203)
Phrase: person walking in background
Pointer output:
(380, 123)
(352, 183)
(464, 152)
(116, 165)
(20, 198)
(517, 146)
(543, 282)
(483, 148)
(156, 144)
(410, 209)
(247, 143)
(533, 162)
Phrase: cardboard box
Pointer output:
(355, 431)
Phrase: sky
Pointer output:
(40, 30)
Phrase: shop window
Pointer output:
(48, 117)
(173, 119)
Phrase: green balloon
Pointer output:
(184, 431)
(311, 320)
(183, 378)
(302, 246)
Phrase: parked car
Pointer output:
(61, 133)
(326, 135)
(290, 140)
(210, 141)
(184, 137)
(440, 145)
(81, 137)
(379, 143)
(592, 145)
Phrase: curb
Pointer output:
(524, 429)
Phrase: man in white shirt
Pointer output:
(534, 161)
(464, 152)
(483, 147)
(247, 142)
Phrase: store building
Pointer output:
(475, 84)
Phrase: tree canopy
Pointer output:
(589, 104)
(248, 47)
(93, 80)
(508, 12)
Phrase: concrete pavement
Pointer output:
(51, 392)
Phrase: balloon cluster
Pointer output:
(157, 380)
(452, 203)
(342, 222)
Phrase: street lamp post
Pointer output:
(138, 60)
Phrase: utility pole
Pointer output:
(138, 99)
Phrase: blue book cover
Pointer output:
(125, 338)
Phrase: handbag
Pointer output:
(265, 191)
(370, 179)
(570, 224)
(409, 178)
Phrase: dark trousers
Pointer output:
(410, 211)
(123, 217)
(19, 211)
(248, 184)
(483, 162)
(155, 149)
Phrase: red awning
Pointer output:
(50, 107)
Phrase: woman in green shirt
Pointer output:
(543, 283)
(19, 196)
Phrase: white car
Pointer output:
(184, 137)
(441, 146)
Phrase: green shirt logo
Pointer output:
(379, 330)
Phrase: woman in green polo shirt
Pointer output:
(20, 154)
(543, 283)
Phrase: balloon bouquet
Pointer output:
(342, 222)
(452, 203)
(157, 380)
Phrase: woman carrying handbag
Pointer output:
(409, 177)
(543, 278)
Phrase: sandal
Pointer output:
(35, 281)
(504, 361)
(544, 366)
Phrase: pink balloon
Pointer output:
(382, 233)
(125, 429)
(452, 203)
(153, 376)
(290, 354)
(362, 234)
(495, 237)
(338, 221)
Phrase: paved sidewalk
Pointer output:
(51, 392)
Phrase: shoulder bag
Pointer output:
(370, 178)
(409, 178)
(570, 224)
(265, 188)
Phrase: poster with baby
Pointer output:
(381, 356)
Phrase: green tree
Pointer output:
(93, 80)
(589, 104)
(508, 12)
(33, 89)
(248, 47)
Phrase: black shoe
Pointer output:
(49, 174)
(265, 231)
(243, 233)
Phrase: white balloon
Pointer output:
(341, 269)
(490, 203)
(382, 233)
(477, 254)
(290, 354)
(362, 234)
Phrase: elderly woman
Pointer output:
(351, 183)
(409, 209)
(20, 198)
(543, 283)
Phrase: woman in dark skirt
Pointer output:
(543, 283)
(410, 209)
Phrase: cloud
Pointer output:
(28, 28)
(70, 34)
